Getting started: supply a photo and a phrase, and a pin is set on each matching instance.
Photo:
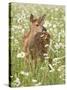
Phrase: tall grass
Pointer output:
(55, 24)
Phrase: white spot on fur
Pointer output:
(45, 54)
(46, 45)
(42, 35)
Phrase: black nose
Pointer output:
(44, 29)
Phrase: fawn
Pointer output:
(36, 39)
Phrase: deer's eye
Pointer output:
(37, 24)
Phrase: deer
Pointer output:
(36, 40)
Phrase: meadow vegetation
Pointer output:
(55, 24)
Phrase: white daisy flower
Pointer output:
(21, 55)
(59, 34)
(52, 17)
(14, 26)
(62, 76)
(11, 76)
(42, 68)
(17, 82)
(55, 63)
(51, 48)
(51, 10)
(52, 70)
(19, 26)
(57, 46)
(16, 41)
(54, 26)
(61, 68)
(56, 9)
(51, 29)
(12, 29)
(58, 58)
(34, 80)
(23, 31)
(61, 45)
(38, 84)
(12, 37)
(46, 23)
(50, 24)
(19, 20)
(24, 73)
(55, 59)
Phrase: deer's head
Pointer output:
(37, 23)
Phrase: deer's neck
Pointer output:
(33, 31)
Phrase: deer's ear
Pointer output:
(41, 19)
(31, 17)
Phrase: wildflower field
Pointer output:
(19, 23)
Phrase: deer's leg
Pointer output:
(26, 49)
(26, 61)
(26, 58)
(32, 57)
(34, 61)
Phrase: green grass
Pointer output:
(55, 24)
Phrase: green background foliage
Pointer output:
(20, 23)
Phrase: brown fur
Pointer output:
(34, 44)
